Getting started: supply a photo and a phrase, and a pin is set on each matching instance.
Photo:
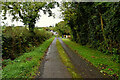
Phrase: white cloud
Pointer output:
(47, 21)
(42, 22)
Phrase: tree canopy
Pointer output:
(28, 12)
(62, 28)
(96, 24)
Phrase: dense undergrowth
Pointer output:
(95, 24)
(26, 65)
(18, 40)
(103, 62)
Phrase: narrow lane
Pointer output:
(84, 68)
(53, 67)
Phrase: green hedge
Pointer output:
(17, 40)
(26, 65)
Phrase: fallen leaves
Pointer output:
(29, 58)
(110, 69)
(93, 56)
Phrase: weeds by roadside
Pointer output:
(65, 59)
(26, 65)
(103, 62)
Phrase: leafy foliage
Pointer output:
(94, 24)
(27, 12)
(17, 40)
(26, 66)
(62, 28)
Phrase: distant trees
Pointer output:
(62, 28)
(96, 24)
(27, 12)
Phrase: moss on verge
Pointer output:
(65, 59)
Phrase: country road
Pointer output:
(52, 66)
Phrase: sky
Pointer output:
(44, 20)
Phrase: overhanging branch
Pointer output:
(20, 15)
(10, 7)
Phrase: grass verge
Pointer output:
(26, 65)
(65, 59)
(103, 62)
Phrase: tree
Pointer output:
(28, 12)
(62, 28)
(95, 24)
(76, 15)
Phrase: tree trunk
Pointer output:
(102, 26)
(13, 53)
(20, 45)
(74, 34)
(31, 27)
(101, 19)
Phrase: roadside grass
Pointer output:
(103, 62)
(65, 59)
(26, 65)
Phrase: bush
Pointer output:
(17, 40)
(42, 35)
(6, 62)
(116, 58)
(26, 65)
